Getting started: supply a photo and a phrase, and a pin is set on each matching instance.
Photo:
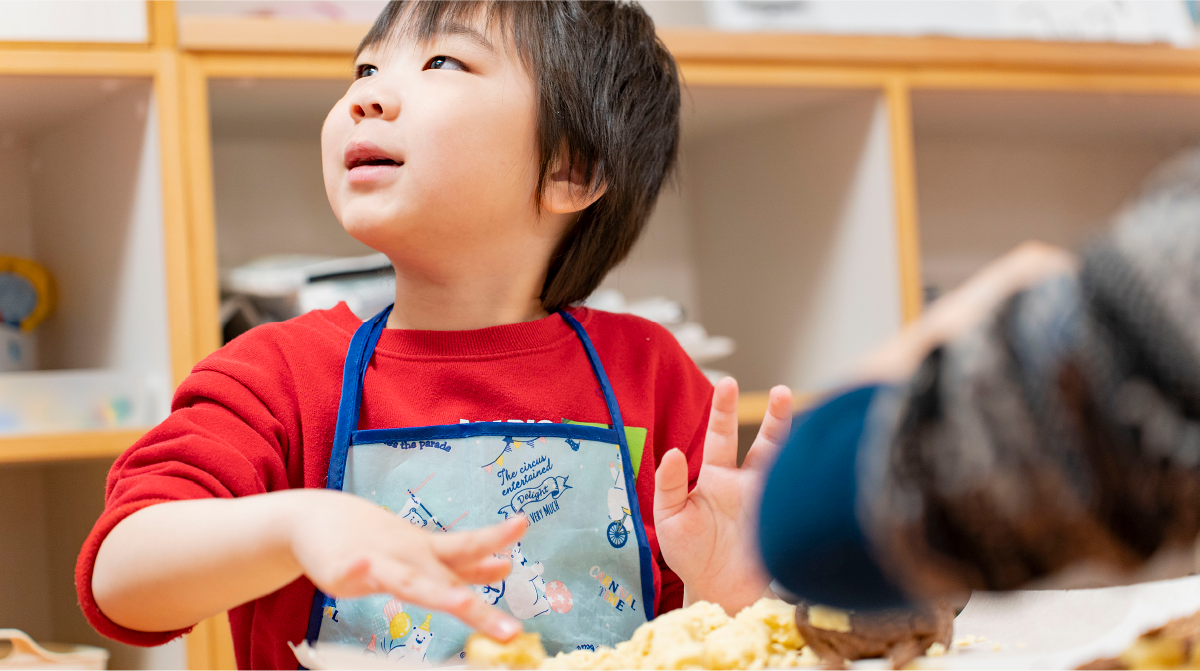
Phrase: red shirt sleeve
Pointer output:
(229, 433)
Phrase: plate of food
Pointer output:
(1148, 625)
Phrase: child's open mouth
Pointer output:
(366, 162)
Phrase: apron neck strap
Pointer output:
(610, 399)
(358, 357)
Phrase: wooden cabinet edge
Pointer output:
(254, 34)
(210, 644)
(98, 444)
(752, 405)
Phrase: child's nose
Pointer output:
(369, 104)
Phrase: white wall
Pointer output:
(795, 241)
(97, 226)
(16, 218)
(662, 262)
(978, 198)
(270, 199)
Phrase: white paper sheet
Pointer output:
(1061, 629)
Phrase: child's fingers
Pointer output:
(457, 600)
(492, 569)
(775, 429)
(720, 443)
(352, 581)
(467, 606)
(463, 547)
(670, 485)
(432, 591)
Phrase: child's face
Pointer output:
(434, 146)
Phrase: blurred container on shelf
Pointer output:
(19, 651)
(1167, 21)
(56, 401)
(279, 287)
(27, 297)
(693, 338)
(18, 349)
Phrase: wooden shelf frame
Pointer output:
(158, 60)
(182, 59)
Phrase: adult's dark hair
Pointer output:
(607, 98)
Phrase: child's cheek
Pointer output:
(335, 133)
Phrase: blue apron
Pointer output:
(581, 575)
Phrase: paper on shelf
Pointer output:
(1092, 21)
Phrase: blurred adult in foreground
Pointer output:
(1039, 426)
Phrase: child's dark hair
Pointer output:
(607, 94)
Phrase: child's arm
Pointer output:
(707, 535)
(173, 564)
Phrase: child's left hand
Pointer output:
(707, 535)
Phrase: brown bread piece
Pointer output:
(901, 635)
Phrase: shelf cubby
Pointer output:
(80, 177)
(780, 231)
(995, 168)
(266, 152)
(48, 512)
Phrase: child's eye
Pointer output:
(444, 63)
(365, 70)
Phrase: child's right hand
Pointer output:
(350, 547)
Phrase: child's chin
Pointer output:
(375, 230)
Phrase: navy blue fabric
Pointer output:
(470, 429)
(358, 357)
(314, 621)
(614, 411)
(809, 533)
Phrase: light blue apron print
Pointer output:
(575, 578)
(549, 490)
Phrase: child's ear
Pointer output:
(566, 191)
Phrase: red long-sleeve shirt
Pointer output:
(258, 416)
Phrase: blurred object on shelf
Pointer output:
(55, 401)
(19, 651)
(18, 349)
(693, 338)
(1063, 20)
(322, 10)
(74, 21)
(27, 297)
(275, 288)
(657, 309)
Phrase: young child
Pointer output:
(505, 156)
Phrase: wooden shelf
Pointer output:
(65, 446)
(266, 35)
(252, 34)
(752, 405)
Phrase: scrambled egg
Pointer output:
(701, 636)
(523, 652)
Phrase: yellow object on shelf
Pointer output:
(42, 283)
